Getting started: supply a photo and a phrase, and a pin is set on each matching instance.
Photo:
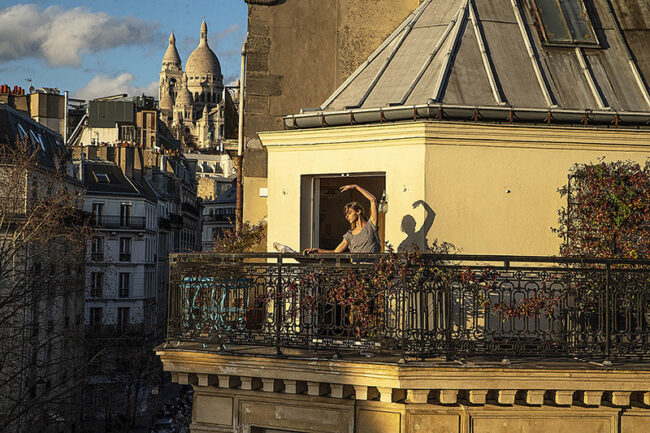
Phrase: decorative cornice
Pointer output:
(414, 381)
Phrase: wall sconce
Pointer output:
(382, 207)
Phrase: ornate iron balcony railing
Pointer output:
(428, 306)
(164, 223)
(117, 222)
(217, 218)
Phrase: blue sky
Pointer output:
(94, 48)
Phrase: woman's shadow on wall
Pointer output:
(416, 238)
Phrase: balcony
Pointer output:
(190, 208)
(454, 306)
(176, 220)
(125, 257)
(97, 256)
(228, 218)
(164, 224)
(117, 222)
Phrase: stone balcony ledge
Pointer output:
(475, 382)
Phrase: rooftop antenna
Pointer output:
(31, 86)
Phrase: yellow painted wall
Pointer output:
(462, 170)
(401, 162)
(494, 188)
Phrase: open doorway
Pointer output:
(322, 221)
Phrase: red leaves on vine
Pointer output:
(608, 211)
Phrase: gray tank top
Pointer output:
(366, 241)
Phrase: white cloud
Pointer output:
(235, 28)
(61, 37)
(104, 85)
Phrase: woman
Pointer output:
(362, 236)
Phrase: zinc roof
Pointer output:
(492, 53)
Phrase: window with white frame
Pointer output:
(124, 284)
(96, 317)
(123, 318)
(97, 248)
(97, 212)
(96, 284)
(125, 249)
(125, 214)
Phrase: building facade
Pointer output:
(142, 198)
(216, 178)
(122, 257)
(467, 118)
(42, 285)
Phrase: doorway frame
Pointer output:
(310, 184)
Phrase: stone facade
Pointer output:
(258, 394)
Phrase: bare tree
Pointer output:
(121, 370)
(43, 237)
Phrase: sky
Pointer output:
(98, 48)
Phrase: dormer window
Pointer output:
(565, 23)
(102, 178)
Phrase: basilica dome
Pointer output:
(203, 61)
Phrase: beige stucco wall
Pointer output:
(493, 187)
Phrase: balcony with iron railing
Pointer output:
(164, 223)
(125, 257)
(175, 219)
(117, 222)
(227, 218)
(412, 307)
(189, 208)
(97, 256)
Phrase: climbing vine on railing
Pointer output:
(608, 211)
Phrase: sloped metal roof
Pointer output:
(490, 53)
(15, 125)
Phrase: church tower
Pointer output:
(171, 77)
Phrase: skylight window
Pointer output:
(102, 178)
(565, 23)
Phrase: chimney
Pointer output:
(126, 160)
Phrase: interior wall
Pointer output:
(332, 224)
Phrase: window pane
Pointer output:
(578, 21)
(554, 25)
(566, 22)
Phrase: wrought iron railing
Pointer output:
(220, 218)
(125, 257)
(452, 305)
(175, 219)
(117, 222)
(164, 223)
(190, 208)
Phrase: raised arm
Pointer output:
(367, 194)
(431, 216)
